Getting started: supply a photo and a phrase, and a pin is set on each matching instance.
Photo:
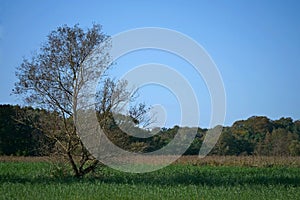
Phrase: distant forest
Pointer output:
(257, 135)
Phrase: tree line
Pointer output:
(257, 135)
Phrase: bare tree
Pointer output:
(51, 80)
(55, 77)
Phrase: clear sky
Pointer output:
(255, 45)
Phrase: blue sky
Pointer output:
(255, 45)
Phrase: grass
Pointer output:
(35, 180)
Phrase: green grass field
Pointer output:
(36, 180)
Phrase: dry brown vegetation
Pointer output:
(27, 159)
(249, 161)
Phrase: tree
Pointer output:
(52, 79)
(294, 148)
(20, 138)
(15, 138)
(280, 142)
(284, 123)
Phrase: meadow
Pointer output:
(182, 180)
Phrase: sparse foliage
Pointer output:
(54, 78)
(51, 80)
